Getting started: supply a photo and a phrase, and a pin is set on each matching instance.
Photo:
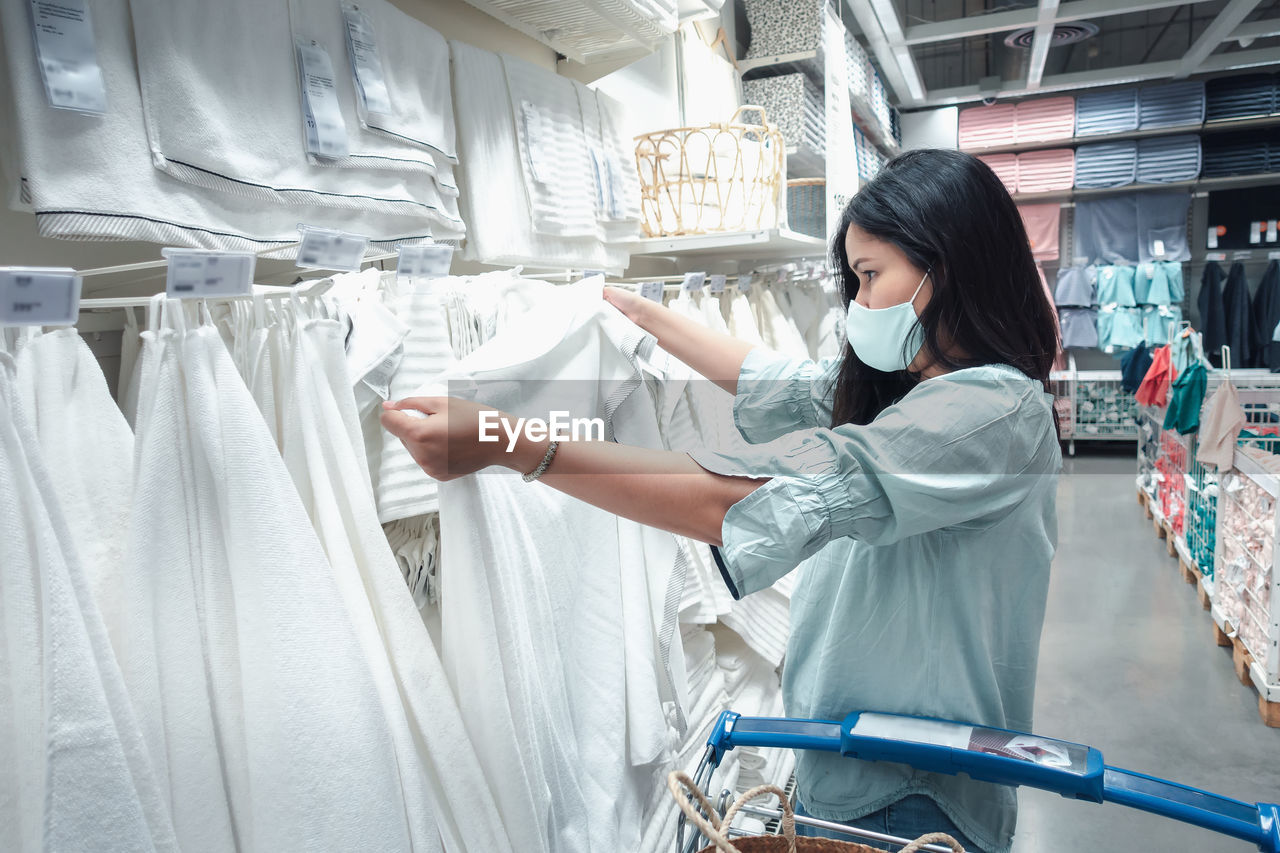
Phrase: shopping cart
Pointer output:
(990, 755)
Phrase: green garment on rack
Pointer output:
(1186, 396)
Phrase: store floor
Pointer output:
(1128, 665)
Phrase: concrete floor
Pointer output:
(1128, 665)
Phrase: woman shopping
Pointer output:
(914, 477)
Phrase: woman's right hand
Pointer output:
(635, 307)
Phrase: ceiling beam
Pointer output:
(1041, 42)
(1256, 30)
(1219, 30)
(895, 60)
(1016, 19)
(1099, 77)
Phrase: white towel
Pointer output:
(244, 135)
(91, 177)
(243, 661)
(440, 778)
(491, 168)
(323, 22)
(76, 773)
(88, 449)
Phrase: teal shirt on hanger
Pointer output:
(925, 540)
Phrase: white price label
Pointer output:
(652, 290)
(694, 280)
(717, 283)
(325, 249)
(745, 282)
(1216, 256)
(1157, 248)
(1271, 230)
(424, 261)
(366, 64)
(198, 274)
(67, 56)
(326, 132)
(1212, 239)
(32, 296)
(1255, 232)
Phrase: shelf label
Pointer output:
(326, 132)
(652, 290)
(592, 274)
(1255, 232)
(200, 274)
(694, 281)
(745, 282)
(716, 283)
(1212, 238)
(39, 296)
(326, 249)
(1271, 230)
(67, 56)
(430, 261)
(366, 64)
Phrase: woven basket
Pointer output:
(700, 180)
(807, 206)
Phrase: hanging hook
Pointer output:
(1226, 360)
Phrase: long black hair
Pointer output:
(951, 215)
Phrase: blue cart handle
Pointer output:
(1003, 757)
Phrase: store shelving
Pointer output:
(768, 243)
(804, 162)
(1262, 179)
(1253, 123)
(587, 33)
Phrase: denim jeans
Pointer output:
(909, 818)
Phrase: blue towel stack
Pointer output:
(1245, 96)
(1243, 153)
(1106, 112)
(1166, 159)
(1106, 164)
(1171, 104)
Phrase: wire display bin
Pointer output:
(986, 754)
(1099, 408)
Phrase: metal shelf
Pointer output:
(781, 63)
(1263, 179)
(777, 243)
(1073, 141)
(804, 162)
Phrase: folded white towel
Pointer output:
(245, 135)
(91, 177)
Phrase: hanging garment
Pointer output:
(1173, 273)
(1075, 287)
(213, 137)
(1236, 312)
(1151, 285)
(256, 703)
(442, 790)
(617, 184)
(1158, 321)
(1113, 111)
(1155, 385)
(91, 177)
(1186, 395)
(1265, 317)
(492, 165)
(1041, 222)
(1115, 286)
(1079, 327)
(575, 662)
(63, 390)
(325, 25)
(1213, 317)
(1106, 229)
(126, 383)
(1223, 421)
(77, 774)
(1134, 366)
(1162, 226)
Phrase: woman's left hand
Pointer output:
(446, 443)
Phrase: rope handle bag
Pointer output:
(715, 828)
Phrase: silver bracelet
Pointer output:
(544, 464)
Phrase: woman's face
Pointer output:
(886, 277)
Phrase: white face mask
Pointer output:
(887, 339)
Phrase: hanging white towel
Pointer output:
(92, 178)
(491, 168)
(88, 448)
(245, 135)
(443, 792)
(617, 185)
(257, 701)
(76, 774)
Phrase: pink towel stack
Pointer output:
(1046, 171)
(1045, 120)
(984, 127)
(1006, 168)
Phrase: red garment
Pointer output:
(1154, 390)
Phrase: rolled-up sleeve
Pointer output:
(950, 455)
(777, 395)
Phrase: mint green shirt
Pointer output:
(925, 540)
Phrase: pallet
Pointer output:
(1203, 594)
(1189, 574)
(1243, 663)
(1220, 637)
(1159, 526)
(1171, 545)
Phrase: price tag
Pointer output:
(716, 284)
(32, 296)
(429, 261)
(67, 56)
(1273, 256)
(1216, 256)
(198, 274)
(1157, 248)
(592, 274)
(745, 282)
(1255, 232)
(326, 132)
(326, 249)
(1212, 239)
(694, 281)
(652, 290)
(1271, 230)
(366, 63)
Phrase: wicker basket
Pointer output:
(807, 206)
(722, 177)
